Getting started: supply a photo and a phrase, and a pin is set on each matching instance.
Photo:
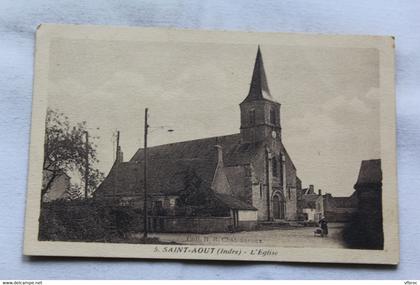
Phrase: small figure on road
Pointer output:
(324, 226)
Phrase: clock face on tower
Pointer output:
(273, 134)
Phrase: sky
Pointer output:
(329, 98)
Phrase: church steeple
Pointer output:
(259, 89)
(260, 113)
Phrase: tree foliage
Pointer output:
(65, 152)
(198, 200)
(193, 194)
(74, 192)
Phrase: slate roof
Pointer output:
(234, 153)
(233, 203)
(306, 191)
(168, 164)
(370, 172)
(259, 89)
(165, 177)
(309, 201)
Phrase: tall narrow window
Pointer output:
(273, 119)
(252, 117)
(275, 167)
(281, 169)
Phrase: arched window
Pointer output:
(252, 117)
(281, 169)
(273, 119)
(275, 167)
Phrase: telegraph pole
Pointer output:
(117, 161)
(146, 126)
(86, 164)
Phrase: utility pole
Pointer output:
(146, 126)
(117, 161)
(86, 164)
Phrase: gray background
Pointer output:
(18, 20)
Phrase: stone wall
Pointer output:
(259, 200)
(247, 225)
(291, 203)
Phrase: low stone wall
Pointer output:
(342, 216)
(169, 224)
(247, 225)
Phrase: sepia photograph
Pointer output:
(160, 143)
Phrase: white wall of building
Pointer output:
(245, 215)
(310, 213)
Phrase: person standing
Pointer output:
(324, 226)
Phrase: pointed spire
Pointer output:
(259, 87)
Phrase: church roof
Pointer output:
(234, 151)
(168, 169)
(165, 177)
(234, 203)
(169, 163)
(259, 89)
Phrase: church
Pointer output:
(215, 184)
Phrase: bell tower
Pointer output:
(260, 113)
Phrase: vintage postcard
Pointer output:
(177, 144)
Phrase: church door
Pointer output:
(278, 208)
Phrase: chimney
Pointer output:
(311, 189)
(120, 155)
(219, 155)
(319, 192)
